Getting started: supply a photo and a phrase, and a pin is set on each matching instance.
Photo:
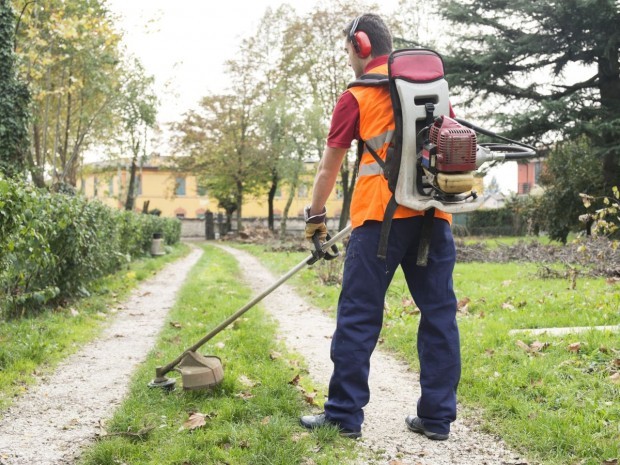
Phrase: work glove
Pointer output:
(315, 223)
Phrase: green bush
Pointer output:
(53, 245)
(496, 222)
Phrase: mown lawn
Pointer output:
(554, 398)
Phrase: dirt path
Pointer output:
(51, 423)
(394, 387)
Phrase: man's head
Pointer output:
(366, 37)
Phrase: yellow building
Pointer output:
(174, 193)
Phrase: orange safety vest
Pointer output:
(372, 194)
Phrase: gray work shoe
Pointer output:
(317, 421)
(416, 425)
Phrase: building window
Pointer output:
(138, 188)
(201, 191)
(110, 187)
(537, 171)
(180, 186)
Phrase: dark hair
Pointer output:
(377, 32)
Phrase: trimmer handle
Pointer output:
(325, 251)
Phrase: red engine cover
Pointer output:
(456, 146)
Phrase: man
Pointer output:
(365, 113)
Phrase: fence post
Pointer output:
(209, 226)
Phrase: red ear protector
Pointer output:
(359, 40)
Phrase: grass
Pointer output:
(32, 346)
(251, 418)
(550, 397)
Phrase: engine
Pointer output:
(449, 157)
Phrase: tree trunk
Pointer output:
(36, 170)
(272, 193)
(609, 78)
(289, 202)
(239, 199)
(131, 194)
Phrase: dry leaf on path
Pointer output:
(574, 347)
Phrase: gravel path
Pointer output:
(394, 387)
(54, 420)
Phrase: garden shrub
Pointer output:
(52, 245)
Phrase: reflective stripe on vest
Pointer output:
(370, 169)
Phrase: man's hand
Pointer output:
(315, 223)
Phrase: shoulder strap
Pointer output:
(370, 80)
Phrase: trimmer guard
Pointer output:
(417, 77)
(199, 371)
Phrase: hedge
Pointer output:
(52, 245)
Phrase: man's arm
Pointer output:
(326, 176)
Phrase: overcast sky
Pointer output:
(184, 44)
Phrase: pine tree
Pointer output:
(14, 100)
(551, 72)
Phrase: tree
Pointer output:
(14, 101)
(553, 67)
(322, 64)
(563, 192)
(70, 57)
(217, 143)
(137, 110)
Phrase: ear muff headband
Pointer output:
(359, 40)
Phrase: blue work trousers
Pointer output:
(360, 318)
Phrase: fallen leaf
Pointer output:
(574, 347)
(275, 355)
(74, 312)
(523, 345)
(508, 306)
(196, 420)
(247, 381)
(615, 378)
(220, 345)
(616, 362)
(309, 397)
(295, 380)
(244, 395)
(175, 324)
(610, 462)
(537, 346)
(462, 305)
(265, 421)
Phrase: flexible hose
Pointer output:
(512, 152)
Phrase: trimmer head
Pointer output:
(200, 372)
